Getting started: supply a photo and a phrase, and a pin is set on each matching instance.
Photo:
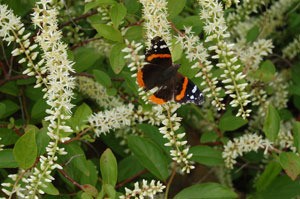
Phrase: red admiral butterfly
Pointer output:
(160, 72)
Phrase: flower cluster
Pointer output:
(228, 3)
(243, 11)
(97, 92)
(244, 144)
(267, 22)
(285, 138)
(156, 23)
(136, 63)
(278, 99)
(58, 95)
(152, 116)
(136, 60)
(280, 92)
(144, 190)
(61, 84)
(180, 151)
(274, 16)
(12, 29)
(104, 14)
(292, 49)
(114, 118)
(259, 96)
(251, 56)
(102, 46)
(233, 78)
(15, 188)
(196, 52)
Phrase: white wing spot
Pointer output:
(163, 46)
(194, 89)
(155, 46)
(192, 97)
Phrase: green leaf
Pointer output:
(80, 116)
(281, 187)
(134, 33)
(38, 110)
(92, 178)
(205, 191)
(26, 81)
(42, 140)
(296, 133)
(175, 7)
(230, 122)
(97, 3)
(132, 6)
(208, 137)
(290, 162)
(85, 58)
(108, 32)
(106, 2)
(102, 78)
(50, 189)
(189, 21)
(89, 189)
(20, 8)
(78, 164)
(185, 69)
(295, 73)
(7, 159)
(2, 109)
(294, 89)
(149, 156)
(109, 190)
(117, 14)
(128, 167)
(116, 58)
(176, 50)
(285, 114)
(109, 168)
(10, 108)
(25, 150)
(252, 34)
(34, 94)
(153, 133)
(272, 123)
(10, 88)
(266, 178)
(207, 155)
(130, 82)
(113, 143)
(8, 136)
(85, 195)
(111, 91)
(266, 71)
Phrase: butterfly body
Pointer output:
(162, 74)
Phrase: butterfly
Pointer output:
(161, 73)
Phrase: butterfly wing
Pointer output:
(187, 92)
(159, 68)
(161, 73)
(159, 53)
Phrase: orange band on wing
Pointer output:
(139, 78)
(153, 56)
(183, 90)
(156, 100)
